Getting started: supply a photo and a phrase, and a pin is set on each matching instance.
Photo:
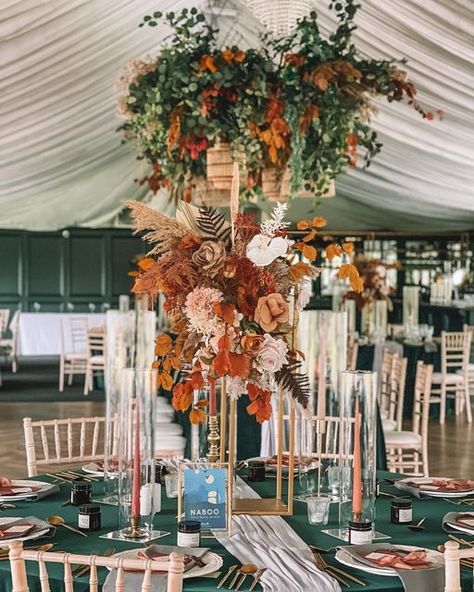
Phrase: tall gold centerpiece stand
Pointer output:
(276, 505)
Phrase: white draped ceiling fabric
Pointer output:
(63, 164)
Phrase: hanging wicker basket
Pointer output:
(275, 185)
(205, 194)
(220, 166)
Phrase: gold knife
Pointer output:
(257, 578)
(232, 568)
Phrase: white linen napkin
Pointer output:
(269, 542)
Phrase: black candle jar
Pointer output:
(89, 517)
(256, 470)
(81, 493)
(401, 510)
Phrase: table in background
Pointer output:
(433, 509)
(39, 333)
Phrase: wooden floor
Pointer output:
(451, 445)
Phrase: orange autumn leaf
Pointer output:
(239, 365)
(207, 63)
(309, 252)
(333, 250)
(221, 363)
(196, 380)
(348, 247)
(146, 263)
(239, 56)
(197, 416)
(303, 225)
(227, 55)
(319, 222)
(189, 241)
(163, 345)
(156, 364)
(224, 343)
(167, 365)
(224, 311)
(310, 236)
(182, 396)
(166, 381)
(348, 271)
(202, 403)
(357, 284)
(300, 270)
(175, 362)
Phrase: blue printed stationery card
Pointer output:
(205, 497)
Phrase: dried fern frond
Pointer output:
(164, 232)
(290, 379)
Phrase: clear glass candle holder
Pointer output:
(171, 485)
(318, 509)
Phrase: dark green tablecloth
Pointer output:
(166, 520)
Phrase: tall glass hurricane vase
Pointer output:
(119, 351)
(357, 448)
(137, 420)
(411, 303)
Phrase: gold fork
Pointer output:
(323, 567)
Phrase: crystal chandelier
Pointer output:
(279, 16)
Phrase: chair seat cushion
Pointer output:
(394, 439)
(389, 425)
(450, 378)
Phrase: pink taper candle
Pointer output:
(321, 408)
(357, 473)
(135, 512)
(212, 397)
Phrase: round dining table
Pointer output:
(430, 509)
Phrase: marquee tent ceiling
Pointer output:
(62, 163)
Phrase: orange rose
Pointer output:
(270, 311)
(252, 343)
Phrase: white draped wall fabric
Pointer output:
(62, 164)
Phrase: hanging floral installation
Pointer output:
(299, 106)
(373, 281)
(233, 292)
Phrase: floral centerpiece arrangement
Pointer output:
(299, 104)
(373, 282)
(233, 291)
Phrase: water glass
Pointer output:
(318, 509)
(171, 485)
(334, 478)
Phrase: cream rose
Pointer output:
(272, 356)
(270, 311)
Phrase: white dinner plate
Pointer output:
(346, 559)
(460, 527)
(212, 560)
(22, 496)
(434, 493)
(33, 535)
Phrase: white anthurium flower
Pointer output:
(263, 250)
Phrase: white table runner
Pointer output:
(269, 541)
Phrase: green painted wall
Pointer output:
(75, 267)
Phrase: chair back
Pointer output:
(18, 556)
(78, 327)
(64, 441)
(388, 358)
(452, 565)
(421, 400)
(455, 350)
(393, 329)
(95, 341)
(320, 437)
(397, 390)
(4, 316)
